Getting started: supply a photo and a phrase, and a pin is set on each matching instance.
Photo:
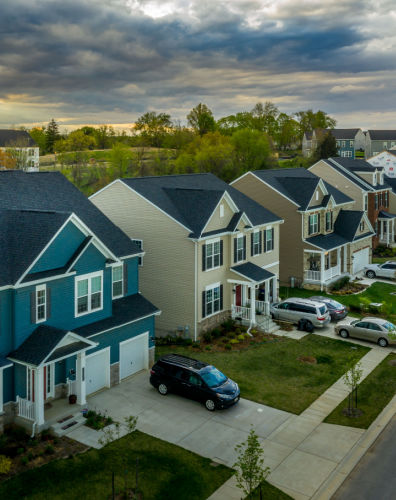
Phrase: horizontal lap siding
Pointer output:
(167, 275)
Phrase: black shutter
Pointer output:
(203, 304)
(203, 257)
(235, 250)
(251, 244)
(244, 248)
(125, 278)
(221, 252)
(318, 223)
(265, 240)
(273, 241)
(260, 242)
(221, 297)
(48, 305)
(32, 307)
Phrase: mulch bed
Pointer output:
(309, 360)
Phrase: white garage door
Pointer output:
(360, 259)
(133, 355)
(97, 371)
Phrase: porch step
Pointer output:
(268, 326)
(67, 424)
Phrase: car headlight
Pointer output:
(225, 396)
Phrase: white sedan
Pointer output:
(385, 270)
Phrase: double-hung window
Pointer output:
(256, 243)
(212, 254)
(240, 248)
(386, 199)
(329, 221)
(41, 303)
(117, 281)
(89, 293)
(269, 239)
(365, 202)
(313, 224)
(376, 201)
(212, 299)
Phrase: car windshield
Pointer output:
(389, 326)
(213, 377)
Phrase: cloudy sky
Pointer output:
(109, 61)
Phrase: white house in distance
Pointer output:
(27, 149)
(385, 159)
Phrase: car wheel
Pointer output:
(370, 274)
(163, 389)
(272, 316)
(210, 405)
(308, 327)
(344, 334)
(382, 342)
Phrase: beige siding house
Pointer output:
(322, 239)
(210, 251)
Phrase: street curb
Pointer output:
(349, 462)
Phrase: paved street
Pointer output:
(374, 477)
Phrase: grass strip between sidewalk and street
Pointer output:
(374, 393)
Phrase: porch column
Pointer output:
(39, 395)
(393, 231)
(382, 229)
(253, 303)
(80, 379)
(339, 260)
(321, 267)
(274, 290)
(345, 259)
(387, 232)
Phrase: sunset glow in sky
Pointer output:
(96, 61)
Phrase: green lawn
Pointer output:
(374, 394)
(272, 374)
(377, 292)
(269, 492)
(166, 472)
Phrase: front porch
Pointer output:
(386, 229)
(325, 267)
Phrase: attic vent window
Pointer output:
(221, 210)
(317, 195)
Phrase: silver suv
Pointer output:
(305, 313)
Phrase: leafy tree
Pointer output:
(104, 136)
(38, 135)
(230, 124)
(252, 149)
(250, 470)
(265, 117)
(153, 127)
(327, 147)
(120, 159)
(288, 132)
(309, 121)
(6, 160)
(351, 379)
(201, 119)
(51, 135)
(18, 152)
(75, 141)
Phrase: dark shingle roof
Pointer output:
(125, 310)
(190, 199)
(298, 184)
(252, 272)
(18, 138)
(345, 228)
(51, 191)
(23, 235)
(5, 363)
(351, 176)
(343, 133)
(382, 135)
(35, 349)
(386, 215)
(355, 165)
(390, 182)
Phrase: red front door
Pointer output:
(238, 295)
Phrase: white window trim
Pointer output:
(317, 195)
(240, 238)
(88, 276)
(212, 287)
(256, 231)
(310, 217)
(122, 281)
(272, 241)
(212, 242)
(222, 210)
(40, 288)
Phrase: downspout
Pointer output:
(195, 290)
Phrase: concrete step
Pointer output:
(68, 424)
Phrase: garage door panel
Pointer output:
(133, 355)
(97, 368)
(360, 259)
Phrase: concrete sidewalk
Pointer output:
(303, 451)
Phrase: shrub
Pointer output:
(231, 335)
(234, 341)
(254, 332)
(46, 435)
(207, 336)
(241, 337)
(188, 342)
(228, 347)
(30, 456)
(208, 348)
(228, 324)
(195, 345)
(24, 460)
(5, 464)
(20, 451)
(247, 336)
(224, 340)
(238, 331)
(216, 333)
(337, 285)
(33, 442)
(49, 449)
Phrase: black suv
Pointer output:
(194, 379)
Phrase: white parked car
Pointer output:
(385, 270)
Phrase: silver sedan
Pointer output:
(373, 329)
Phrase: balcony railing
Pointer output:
(327, 274)
(25, 408)
(241, 312)
(312, 275)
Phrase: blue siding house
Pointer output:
(72, 320)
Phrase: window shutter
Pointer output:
(32, 307)
(125, 277)
(203, 304)
(318, 223)
(221, 297)
(221, 252)
(251, 244)
(235, 250)
(273, 241)
(265, 240)
(203, 257)
(48, 306)
(244, 248)
(260, 242)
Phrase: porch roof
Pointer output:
(327, 241)
(252, 272)
(41, 346)
(386, 215)
(4, 363)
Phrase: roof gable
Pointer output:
(16, 138)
